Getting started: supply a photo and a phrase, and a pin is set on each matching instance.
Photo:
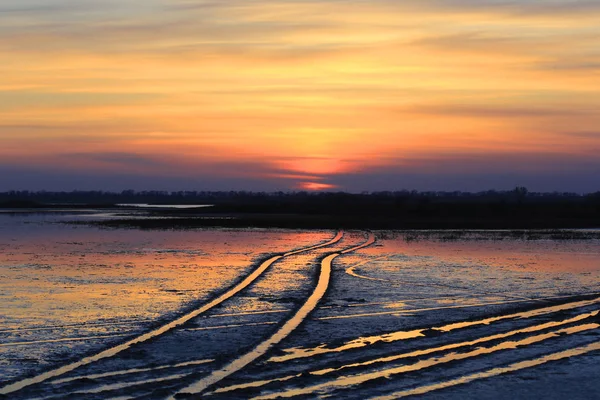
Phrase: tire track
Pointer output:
(346, 381)
(295, 353)
(131, 371)
(259, 351)
(126, 385)
(453, 346)
(561, 355)
(111, 352)
(418, 353)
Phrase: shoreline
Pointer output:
(300, 221)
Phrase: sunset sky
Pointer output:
(299, 94)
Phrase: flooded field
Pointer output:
(93, 313)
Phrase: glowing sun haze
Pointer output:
(299, 94)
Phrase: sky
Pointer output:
(271, 95)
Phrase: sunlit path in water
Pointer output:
(352, 380)
(566, 354)
(331, 319)
(284, 331)
(402, 335)
(111, 352)
(431, 350)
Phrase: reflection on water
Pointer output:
(495, 372)
(70, 290)
(63, 283)
(506, 268)
(123, 385)
(294, 353)
(71, 339)
(285, 330)
(231, 326)
(131, 371)
(575, 256)
(452, 346)
(351, 380)
(172, 206)
(112, 273)
(427, 350)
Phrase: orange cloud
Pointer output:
(315, 186)
(299, 88)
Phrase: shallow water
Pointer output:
(476, 306)
(74, 282)
(171, 206)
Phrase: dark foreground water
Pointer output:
(99, 313)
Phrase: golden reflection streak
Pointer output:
(282, 333)
(294, 353)
(561, 355)
(416, 353)
(13, 387)
(452, 346)
(287, 328)
(351, 380)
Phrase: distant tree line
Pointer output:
(518, 195)
(510, 209)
